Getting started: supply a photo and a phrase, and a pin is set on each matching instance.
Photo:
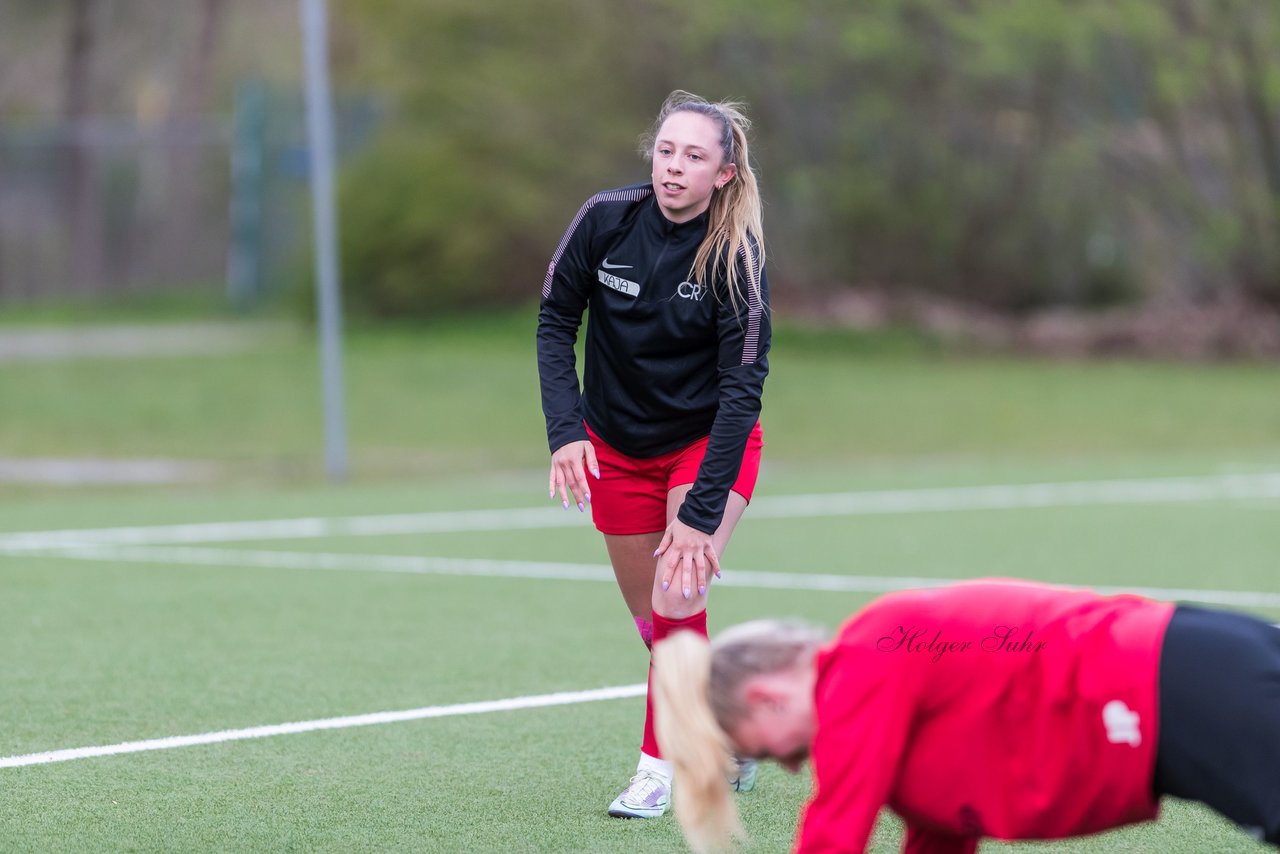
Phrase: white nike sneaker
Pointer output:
(647, 796)
(742, 777)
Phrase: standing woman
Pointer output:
(663, 440)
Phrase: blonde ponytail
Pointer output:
(698, 699)
(693, 741)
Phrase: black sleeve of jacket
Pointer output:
(564, 298)
(744, 331)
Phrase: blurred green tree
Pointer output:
(505, 118)
(1061, 152)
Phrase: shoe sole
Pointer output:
(621, 814)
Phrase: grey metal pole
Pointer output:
(315, 32)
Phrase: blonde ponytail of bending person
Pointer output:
(698, 700)
(693, 741)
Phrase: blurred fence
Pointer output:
(113, 205)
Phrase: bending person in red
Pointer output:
(990, 708)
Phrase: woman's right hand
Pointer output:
(569, 475)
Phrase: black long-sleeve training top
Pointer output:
(667, 361)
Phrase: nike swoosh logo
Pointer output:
(605, 263)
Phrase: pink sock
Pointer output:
(645, 628)
(662, 627)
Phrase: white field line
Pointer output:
(298, 529)
(549, 571)
(960, 498)
(563, 698)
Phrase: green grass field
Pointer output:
(446, 593)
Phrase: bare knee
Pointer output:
(673, 605)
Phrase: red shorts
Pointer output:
(631, 495)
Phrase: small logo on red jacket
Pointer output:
(1121, 723)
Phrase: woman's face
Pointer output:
(779, 721)
(687, 165)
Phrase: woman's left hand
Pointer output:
(690, 553)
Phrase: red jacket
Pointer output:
(990, 708)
